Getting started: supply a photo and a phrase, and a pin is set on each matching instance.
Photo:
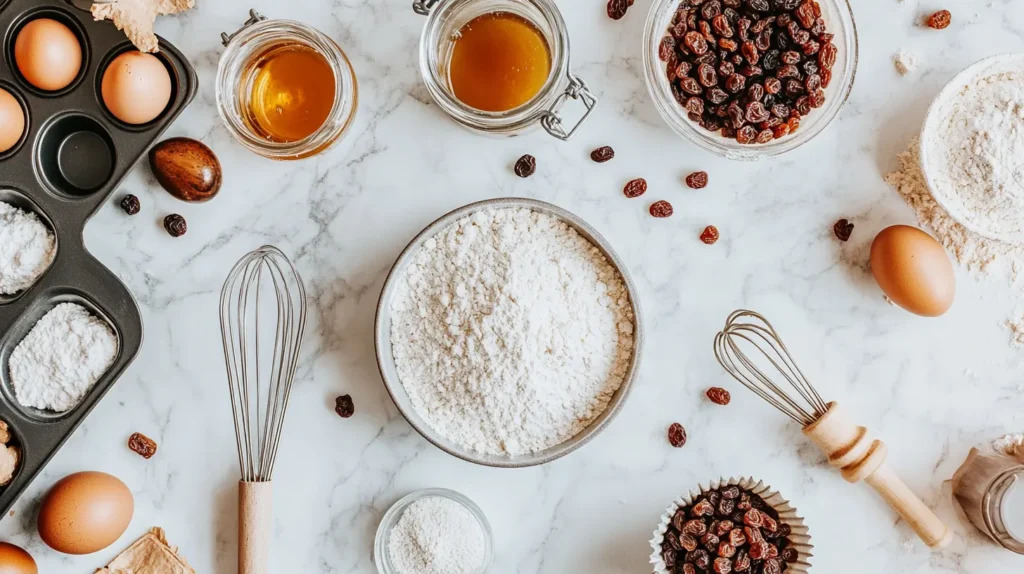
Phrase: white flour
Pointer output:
(977, 148)
(26, 249)
(904, 62)
(510, 331)
(437, 536)
(61, 358)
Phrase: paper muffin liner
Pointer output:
(800, 537)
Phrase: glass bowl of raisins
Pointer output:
(748, 79)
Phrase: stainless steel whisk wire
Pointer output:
(744, 325)
(258, 434)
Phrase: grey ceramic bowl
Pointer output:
(386, 361)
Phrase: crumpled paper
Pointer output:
(150, 554)
(136, 18)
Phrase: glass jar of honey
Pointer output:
(284, 89)
(500, 67)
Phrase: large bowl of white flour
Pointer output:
(972, 148)
(508, 333)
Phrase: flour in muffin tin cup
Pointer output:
(510, 331)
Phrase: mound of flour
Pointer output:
(437, 536)
(26, 249)
(510, 331)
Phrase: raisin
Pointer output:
(669, 557)
(710, 541)
(817, 98)
(711, 10)
(703, 508)
(717, 96)
(695, 527)
(813, 82)
(706, 74)
(728, 45)
(617, 9)
(690, 86)
(772, 566)
(689, 569)
(636, 188)
(695, 105)
(709, 236)
(142, 444)
(787, 71)
(722, 26)
(602, 154)
(805, 14)
(753, 534)
(666, 48)
(826, 78)
(803, 105)
(759, 5)
(688, 542)
(784, 530)
(695, 42)
(749, 51)
(130, 204)
(940, 20)
(683, 69)
(661, 209)
(795, 88)
(743, 25)
(735, 83)
(672, 541)
(780, 111)
(746, 134)
(175, 225)
(843, 229)
(771, 60)
(676, 435)
(770, 525)
(789, 555)
(759, 550)
(764, 40)
(793, 123)
(726, 507)
(751, 71)
(697, 180)
(756, 113)
(722, 564)
(526, 165)
(772, 85)
(344, 406)
(780, 131)
(753, 518)
(790, 57)
(755, 92)
(810, 48)
(742, 562)
(810, 67)
(827, 55)
(719, 396)
(724, 527)
(699, 558)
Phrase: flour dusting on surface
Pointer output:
(511, 331)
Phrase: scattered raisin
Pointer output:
(661, 208)
(719, 396)
(344, 406)
(697, 180)
(843, 229)
(602, 154)
(142, 444)
(175, 225)
(635, 187)
(130, 204)
(617, 8)
(710, 235)
(676, 435)
(526, 165)
(940, 20)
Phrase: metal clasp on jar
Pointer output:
(577, 90)
(254, 18)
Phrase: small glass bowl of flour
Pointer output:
(433, 531)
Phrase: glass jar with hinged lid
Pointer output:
(501, 67)
(285, 90)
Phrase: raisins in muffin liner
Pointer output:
(799, 535)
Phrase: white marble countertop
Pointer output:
(930, 388)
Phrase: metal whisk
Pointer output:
(262, 319)
(770, 372)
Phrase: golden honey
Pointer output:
(292, 93)
(499, 61)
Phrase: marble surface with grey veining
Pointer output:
(931, 388)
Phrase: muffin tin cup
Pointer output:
(800, 537)
(73, 156)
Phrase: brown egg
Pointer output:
(12, 121)
(14, 560)
(913, 269)
(136, 87)
(48, 54)
(85, 512)
(186, 168)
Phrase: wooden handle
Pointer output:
(859, 457)
(254, 526)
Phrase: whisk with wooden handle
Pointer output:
(262, 318)
(774, 376)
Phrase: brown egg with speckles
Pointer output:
(85, 512)
(14, 560)
(913, 269)
(186, 168)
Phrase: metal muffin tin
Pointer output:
(386, 359)
(73, 155)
